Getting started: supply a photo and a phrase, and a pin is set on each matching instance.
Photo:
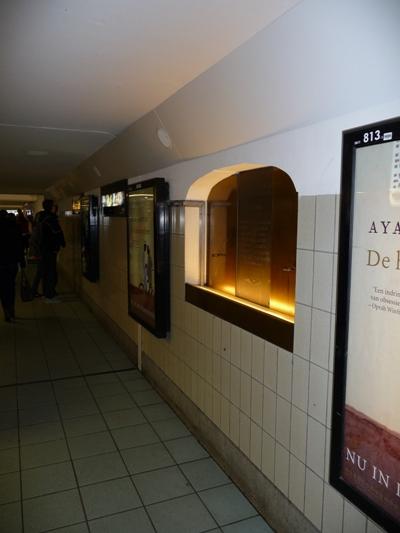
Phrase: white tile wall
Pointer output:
(274, 405)
(314, 497)
(282, 469)
(353, 520)
(297, 473)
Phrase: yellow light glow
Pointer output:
(229, 289)
(282, 307)
(266, 310)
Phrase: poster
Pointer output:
(367, 392)
(148, 255)
(141, 254)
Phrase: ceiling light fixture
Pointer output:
(164, 137)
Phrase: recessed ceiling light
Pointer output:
(37, 152)
(164, 137)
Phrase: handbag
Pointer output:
(26, 289)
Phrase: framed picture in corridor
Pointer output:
(148, 255)
(89, 209)
(365, 447)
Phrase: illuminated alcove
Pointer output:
(240, 249)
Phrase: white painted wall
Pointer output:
(310, 155)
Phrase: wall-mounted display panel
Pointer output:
(148, 255)
(113, 199)
(90, 237)
(365, 461)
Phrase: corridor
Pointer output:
(86, 443)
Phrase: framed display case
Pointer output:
(113, 199)
(148, 255)
(365, 451)
(90, 237)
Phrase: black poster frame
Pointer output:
(161, 239)
(368, 135)
(115, 187)
(90, 210)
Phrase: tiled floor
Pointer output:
(86, 444)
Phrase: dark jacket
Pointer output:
(11, 243)
(52, 236)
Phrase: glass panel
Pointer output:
(222, 222)
(141, 253)
(252, 229)
(254, 238)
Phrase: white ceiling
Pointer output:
(75, 73)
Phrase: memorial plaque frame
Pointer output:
(148, 255)
(365, 442)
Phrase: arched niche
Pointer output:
(240, 248)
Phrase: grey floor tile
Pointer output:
(78, 409)
(9, 461)
(8, 420)
(75, 427)
(101, 390)
(39, 414)
(11, 518)
(129, 375)
(205, 474)
(227, 504)
(41, 433)
(157, 412)
(115, 403)
(110, 497)
(160, 485)
(10, 489)
(125, 417)
(122, 523)
(102, 379)
(132, 436)
(137, 385)
(78, 395)
(251, 525)
(77, 528)
(186, 449)
(8, 399)
(148, 397)
(8, 438)
(99, 468)
(93, 444)
(35, 393)
(170, 429)
(65, 385)
(52, 511)
(47, 479)
(45, 453)
(181, 515)
(145, 458)
(119, 362)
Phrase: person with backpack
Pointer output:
(46, 241)
(11, 254)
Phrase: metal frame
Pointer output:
(161, 229)
(352, 140)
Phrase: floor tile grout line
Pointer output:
(125, 464)
(71, 460)
(68, 447)
(35, 382)
(178, 465)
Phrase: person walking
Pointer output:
(51, 239)
(11, 254)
